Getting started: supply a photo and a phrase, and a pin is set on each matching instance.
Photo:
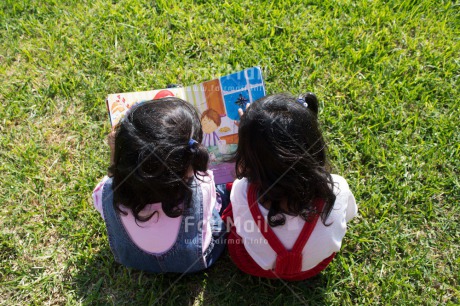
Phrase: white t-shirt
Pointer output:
(323, 241)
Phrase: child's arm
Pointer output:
(345, 197)
(241, 112)
(97, 195)
(111, 143)
(352, 208)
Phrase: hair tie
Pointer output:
(191, 142)
(302, 101)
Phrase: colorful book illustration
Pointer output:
(217, 101)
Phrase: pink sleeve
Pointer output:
(97, 195)
(209, 202)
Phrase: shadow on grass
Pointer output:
(101, 281)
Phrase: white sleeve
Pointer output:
(345, 196)
(352, 208)
(239, 193)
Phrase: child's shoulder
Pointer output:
(239, 192)
(242, 183)
(345, 200)
(205, 177)
(340, 185)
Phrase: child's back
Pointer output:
(159, 204)
(289, 213)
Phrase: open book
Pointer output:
(217, 101)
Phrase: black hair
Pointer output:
(281, 149)
(153, 156)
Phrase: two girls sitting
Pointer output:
(288, 214)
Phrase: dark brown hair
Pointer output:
(153, 155)
(282, 150)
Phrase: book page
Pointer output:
(217, 102)
(118, 104)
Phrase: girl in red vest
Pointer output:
(288, 214)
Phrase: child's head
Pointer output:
(210, 120)
(157, 148)
(282, 150)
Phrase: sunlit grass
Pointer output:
(386, 73)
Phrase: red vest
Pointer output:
(288, 264)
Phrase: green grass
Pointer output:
(386, 72)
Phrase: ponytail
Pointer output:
(312, 101)
(198, 156)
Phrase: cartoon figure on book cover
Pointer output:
(210, 121)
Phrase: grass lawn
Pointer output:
(386, 72)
